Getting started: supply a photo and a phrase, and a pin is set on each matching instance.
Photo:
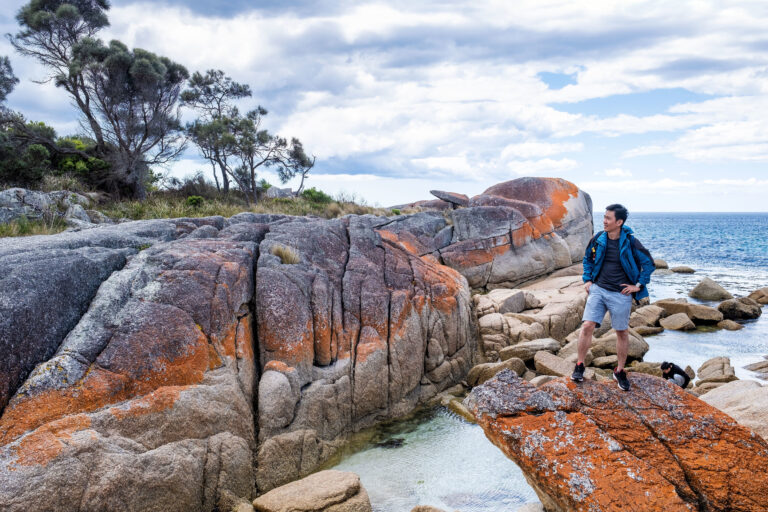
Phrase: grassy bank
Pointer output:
(162, 206)
(25, 227)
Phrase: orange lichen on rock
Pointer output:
(157, 401)
(473, 253)
(138, 365)
(370, 343)
(549, 194)
(46, 443)
(591, 446)
(244, 338)
(278, 366)
(404, 241)
(522, 235)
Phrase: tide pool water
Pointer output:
(436, 458)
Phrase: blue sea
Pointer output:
(731, 249)
(443, 461)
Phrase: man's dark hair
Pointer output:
(619, 212)
(666, 365)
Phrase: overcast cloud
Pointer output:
(659, 105)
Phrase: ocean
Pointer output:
(436, 458)
(731, 249)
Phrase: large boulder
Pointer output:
(647, 316)
(527, 349)
(451, 197)
(746, 401)
(519, 230)
(707, 289)
(698, 313)
(325, 491)
(743, 308)
(678, 322)
(714, 373)
(589, 445)
(149, 395)
(760, 296)
(550, 364)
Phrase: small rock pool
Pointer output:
(435, 458)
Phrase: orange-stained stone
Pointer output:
(590, 446)
(100, 387)
(157, 401)
(244, 339)
(369, 343)
(278, 366)
(46, 443)
(405, 241)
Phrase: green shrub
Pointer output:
(316, 196)
(395, 211)
(194, 201)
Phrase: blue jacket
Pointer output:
(635, 259)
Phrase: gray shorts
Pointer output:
(601, 300)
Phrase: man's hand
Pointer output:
(588, 285)
(629, 289)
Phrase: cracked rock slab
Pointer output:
(591, 446)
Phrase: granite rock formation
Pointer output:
(591, 446)
(174, 364)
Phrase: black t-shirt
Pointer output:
(612, 274)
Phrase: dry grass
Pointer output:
(287, 255)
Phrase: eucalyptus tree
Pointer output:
(50, 31)
(128, 98)
(213, 96)
(7, 79)
(256, 147)
(136, 97)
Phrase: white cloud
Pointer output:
(617, 172)
(400, 88)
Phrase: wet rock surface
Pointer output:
(591, 446)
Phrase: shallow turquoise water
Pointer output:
(448, 463)
(441, 461)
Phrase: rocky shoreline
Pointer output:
(201, 364)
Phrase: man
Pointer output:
(616, 268)
(676, 374)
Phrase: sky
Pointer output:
(658, 105)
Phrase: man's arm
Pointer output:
(644, 260)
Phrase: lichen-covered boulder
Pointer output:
(149, 397)
(591, 446)
(518, 230)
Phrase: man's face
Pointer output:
(667, 370)
(609, 221)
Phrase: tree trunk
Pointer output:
(215, 176)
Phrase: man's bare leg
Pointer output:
(622, 347)
(585, 340)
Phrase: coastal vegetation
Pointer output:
(130, 102)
